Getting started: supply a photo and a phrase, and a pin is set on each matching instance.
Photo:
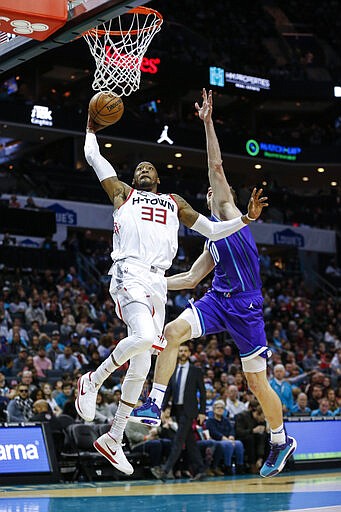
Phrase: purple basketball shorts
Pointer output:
(241, 315)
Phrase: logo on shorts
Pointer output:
(251, 306)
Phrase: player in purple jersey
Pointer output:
(233, 304)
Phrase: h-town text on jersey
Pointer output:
(154, 201)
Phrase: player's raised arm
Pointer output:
(222, 194)
(117, 190)
(217, 230)
(190, 279)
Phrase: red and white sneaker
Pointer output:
(113, 452)
(86, 399)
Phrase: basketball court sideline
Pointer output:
(304, 492)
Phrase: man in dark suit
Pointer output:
(183, 387)
(251, 430)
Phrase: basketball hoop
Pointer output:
(118, 47)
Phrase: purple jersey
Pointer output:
(235, 302)
(236, 262)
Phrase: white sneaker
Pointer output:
(86, 399)
(113, 452)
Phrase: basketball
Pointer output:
(106, 108)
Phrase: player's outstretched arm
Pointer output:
(190, 279)
(221, 190)
(117, 191)
(217, 230)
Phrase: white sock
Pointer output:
(120, 421)
(103, 371)
(278, 436)
(157, 393)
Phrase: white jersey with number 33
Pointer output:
(146, 229)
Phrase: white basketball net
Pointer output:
(118, 47)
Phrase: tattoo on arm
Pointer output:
(116, 190)
(187, 215)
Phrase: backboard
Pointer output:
(82, 15)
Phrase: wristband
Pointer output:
(249, 218)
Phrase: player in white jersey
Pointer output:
(144, 245)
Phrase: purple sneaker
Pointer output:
(278, 456)
(148, 414)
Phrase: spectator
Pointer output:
(4, 389)
(5, 395)
(331, 397)
(47, 390)
(34, 329)
(6, 242)
(335, 367)
(95, 361)
(37, 394)
(105, 346)
(88, 338)
(41, 362)
(315, 396)
(5, 320)
(35, 312)
(19, 362)
(17, 327)
(65, 395)
(78, 352)
(66, 329)
(16, 342)
(67, 362)
(18, 306)
(211, 450)
(251, 430)
(282, 388)
(54, 348)
(301, 408)
(7, 366)
(233, 404)
(20, 408)
(330, 336)
(43, 414)
(53, 313)
(168, 426)
(220, 429)
(102, 322)
(13, 202)
(30, 204)
(210, 397)
(104, 412)
(36, 342)
(310, 361)
(323, 409)
(27, 379)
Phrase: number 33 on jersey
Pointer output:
(146, 227)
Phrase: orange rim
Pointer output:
(136, 10)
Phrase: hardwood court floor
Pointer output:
(300, 492)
